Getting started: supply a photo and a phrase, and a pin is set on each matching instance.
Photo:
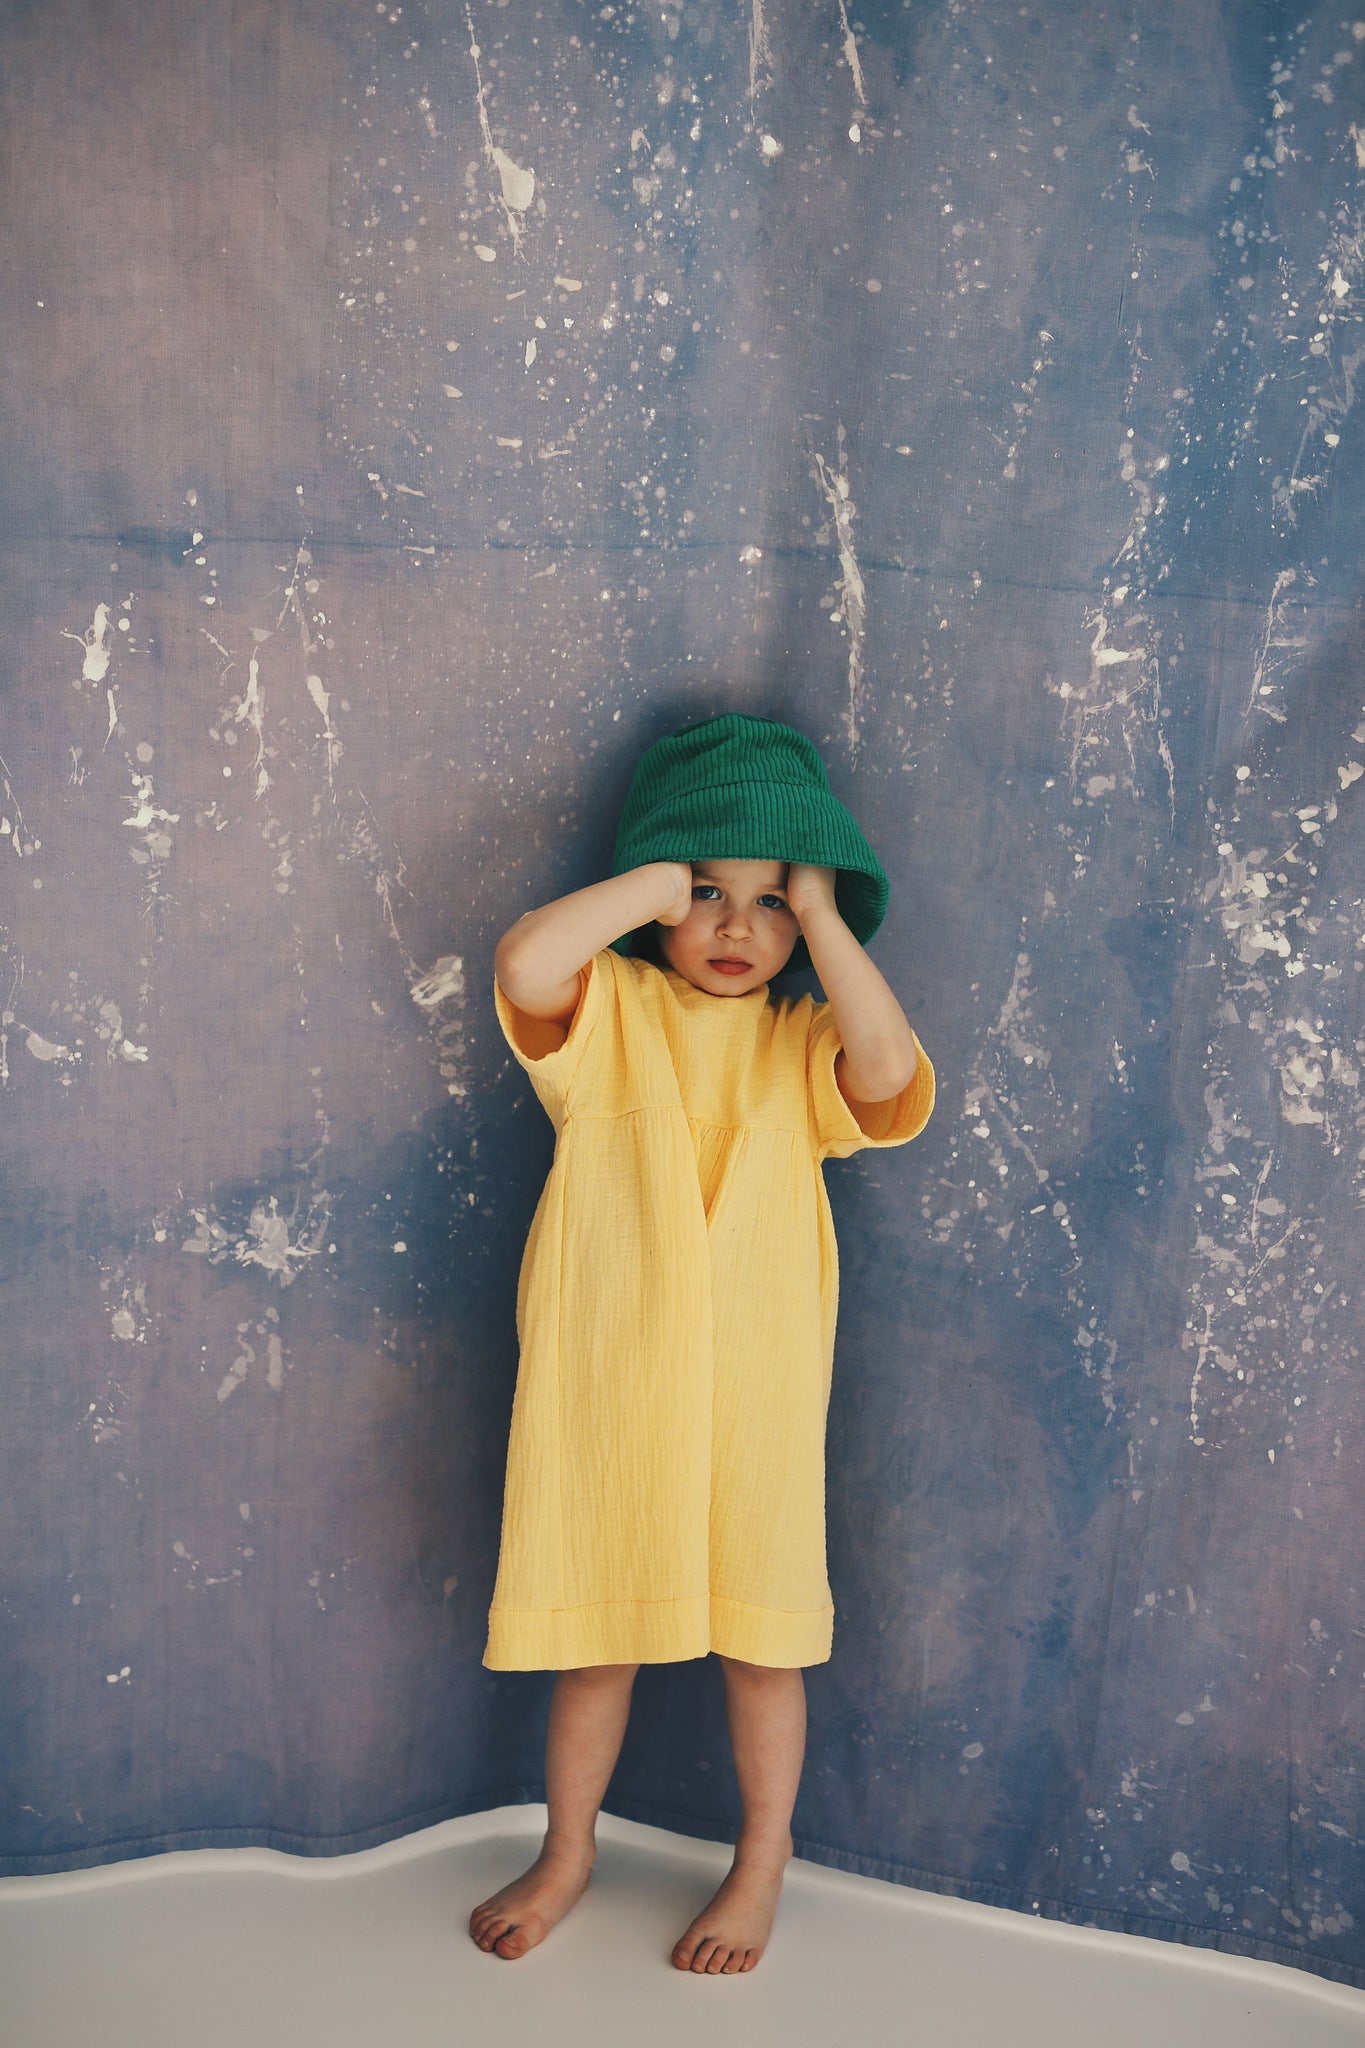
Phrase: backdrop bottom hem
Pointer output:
(653, 1813)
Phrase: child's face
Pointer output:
(739, 911)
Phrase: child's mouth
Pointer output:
(730, 966)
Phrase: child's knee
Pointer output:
(773, 1673)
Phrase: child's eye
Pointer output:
(768, 897)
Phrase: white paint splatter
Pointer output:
(443, 990)
(1272, 637)
(45, 1049)
(516, 182)
(149, 818)
(440, 983)
(13, 828)
(251, 709)
(98, 647)
(1342, 265)
(852, 595)
(760, 55)
(275, 1364)
(322, 699)
(267, 1239)
(851, 55)
(1091, 707)
(237, 1371)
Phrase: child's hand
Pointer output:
(809, 888)
(680, 873)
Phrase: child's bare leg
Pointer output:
(766, 1709)
(588, 1713)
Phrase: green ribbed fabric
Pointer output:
(741, 788)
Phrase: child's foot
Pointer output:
(731, 1933)
(523, 1912)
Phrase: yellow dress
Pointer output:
(665, 1491)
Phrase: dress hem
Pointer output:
(655, 1632)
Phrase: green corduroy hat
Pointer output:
(741, 788)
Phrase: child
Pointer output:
(676, 1305)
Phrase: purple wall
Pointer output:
(974, 390)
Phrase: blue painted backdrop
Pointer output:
(412, 412)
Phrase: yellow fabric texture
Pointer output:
(665, 1491)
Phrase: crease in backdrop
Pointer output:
(413, 412)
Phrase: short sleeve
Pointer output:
(837, 1131)
(553, 1061)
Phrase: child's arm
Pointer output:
(539, 958)
(878, 1058)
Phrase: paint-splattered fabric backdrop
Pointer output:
(412, 412)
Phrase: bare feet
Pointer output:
(731, 1933)
(523, 1912)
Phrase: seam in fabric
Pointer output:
(668, 1600)
(588, 1116)
(559, 1389)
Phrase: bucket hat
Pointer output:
(740, 788)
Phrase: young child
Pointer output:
(677, 1299)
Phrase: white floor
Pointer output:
(231, 1946)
